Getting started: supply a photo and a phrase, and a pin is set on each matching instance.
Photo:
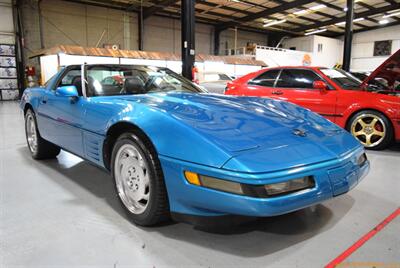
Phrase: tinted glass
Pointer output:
(343, 79)
(266, 79)
(124, 80)
(72, 78)
(297, 78)
(69, 77)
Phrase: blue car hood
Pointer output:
(257, 132)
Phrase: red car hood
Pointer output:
(388, 70)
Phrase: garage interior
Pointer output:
(64, 212)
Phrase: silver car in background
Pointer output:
(214, 82)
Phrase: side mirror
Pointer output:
(321, 85)
(67, 91)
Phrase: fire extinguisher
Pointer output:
(30, 74)
(195, 74)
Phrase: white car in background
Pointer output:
(214, 82)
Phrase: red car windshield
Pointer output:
(348, 81)
(342, 78)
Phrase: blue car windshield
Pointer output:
(111, 80)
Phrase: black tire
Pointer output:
(157, 209)
(44, 149)
(383, 120)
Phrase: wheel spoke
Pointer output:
(373, 122)
(379, 133)
(359, 133)
(362, 123)
(368, 139)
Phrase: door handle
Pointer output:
(43, 101)
(277, 92)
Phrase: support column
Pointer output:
(348, 35)
(19, 50)
(188, 37)
(217, 34)
(140, 29)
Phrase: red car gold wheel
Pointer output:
(369, 129)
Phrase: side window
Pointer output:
(297, 78)
(72, 78)
(266, 79)
(106, 81)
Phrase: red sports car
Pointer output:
(369, 109)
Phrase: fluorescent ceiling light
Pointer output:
(304, 11)
(274, 23)
(383, 21)
(317, 7)
(316, 31)
(300, 12)
(343, 22)
(391, 15)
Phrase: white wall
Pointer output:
(6, 23)
(304, 43)
(363, 47)
(331, 53)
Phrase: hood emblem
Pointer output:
(299, 132)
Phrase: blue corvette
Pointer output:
(173, 150)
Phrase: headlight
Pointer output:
(262, 191)
(289, 186)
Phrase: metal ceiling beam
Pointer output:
(264, 13)
(368, 29)
(159, 6)
(356, 16)
(104, 4)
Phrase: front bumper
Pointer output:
(332, 178)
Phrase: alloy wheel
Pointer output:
(31, 133)
(132, 178)
(369, 129)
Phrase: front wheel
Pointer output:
(372, 129)
(39, 147)
(139, 180)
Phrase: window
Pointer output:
(266, 79)
(72, 77)
(297, 78)
(383, 48)
(109, 80)
(343, 79)
(69, 78)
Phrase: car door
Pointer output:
(60, 116)
(297, 86)
(262, 85)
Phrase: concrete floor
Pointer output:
(63, 212)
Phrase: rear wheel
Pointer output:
(139, 181)
(39, 147)
(372, 129)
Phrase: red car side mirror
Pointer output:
(321, 85)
